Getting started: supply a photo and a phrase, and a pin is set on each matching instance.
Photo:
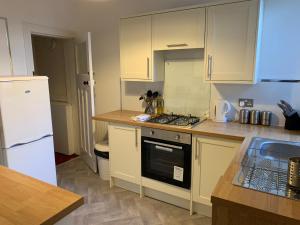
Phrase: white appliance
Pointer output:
(26, 137)
(222, 110)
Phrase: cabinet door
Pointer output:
(179, 30)
(135, 48)
(124, 143)
(212, 157)
(231, 41)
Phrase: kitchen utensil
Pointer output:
(149, 97)
(287, 109)
(294, 172)
(244, 116)
(222, 110)
(149, 94)
(266, 118)
(255, 117)
(288, 106)
(155, 94)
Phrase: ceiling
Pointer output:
(84, 15)
(107, 12)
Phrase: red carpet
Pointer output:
(61, 158)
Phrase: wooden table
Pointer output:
(27, 201)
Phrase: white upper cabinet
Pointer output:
(136, 48)
(231, 37)
(178, 30)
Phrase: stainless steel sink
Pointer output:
(279, 150)
(265, 165)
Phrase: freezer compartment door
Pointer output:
(35, 159)
(25, 111)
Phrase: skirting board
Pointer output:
(198, 208)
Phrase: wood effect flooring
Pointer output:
(116, 206)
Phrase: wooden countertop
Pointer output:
(209, 128)
(225, 191)
(25, 200)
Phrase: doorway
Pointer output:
(55, 58)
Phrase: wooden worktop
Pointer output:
(225, 191)
(233, 131)
(27, 201)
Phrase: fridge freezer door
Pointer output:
(25, 113)
(35, 159)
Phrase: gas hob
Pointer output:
(176, 120)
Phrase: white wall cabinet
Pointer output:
(211, 158)
(125, 152)
(231, 41)
(136, 48)
(178, 30)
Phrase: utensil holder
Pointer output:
(292, 122)
(294, 172)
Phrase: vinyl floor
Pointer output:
(116, 206)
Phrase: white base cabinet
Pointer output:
(125, 152)
(211, 158)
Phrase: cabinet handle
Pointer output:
(148, 67)
(209, 67)
(196, 152)
(136, 137)
(177, 45)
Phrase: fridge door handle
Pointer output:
(25, 143)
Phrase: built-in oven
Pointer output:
(167, 156)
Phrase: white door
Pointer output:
(5, 57)
(85, 91)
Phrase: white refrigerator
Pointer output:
(26, 137)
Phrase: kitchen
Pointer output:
(223, 55)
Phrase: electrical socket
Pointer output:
(246, 102)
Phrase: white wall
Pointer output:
(54, 13)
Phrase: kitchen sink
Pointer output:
(265, 166)
(279, 150)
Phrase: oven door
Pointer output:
(166, 161)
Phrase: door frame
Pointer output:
(30, 29)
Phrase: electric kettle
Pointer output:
(222, 110)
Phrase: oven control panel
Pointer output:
(179, 137)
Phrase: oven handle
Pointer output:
(162, 144)
(163, 148)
